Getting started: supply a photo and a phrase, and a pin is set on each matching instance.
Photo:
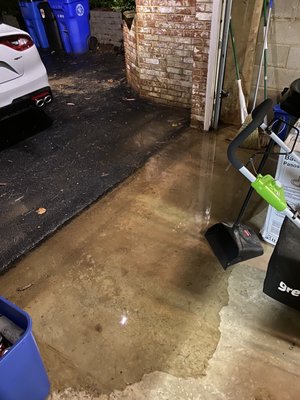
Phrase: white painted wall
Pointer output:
(284, 47)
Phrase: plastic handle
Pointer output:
(258, 115)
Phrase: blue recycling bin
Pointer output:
(278, 126)
(73, 18)
(34, 23)
(22, 373)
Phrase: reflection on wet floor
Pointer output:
(130, 286)
(206, 171)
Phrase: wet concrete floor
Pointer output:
(128, 301)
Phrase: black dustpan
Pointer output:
(236, 242)
(232, 243)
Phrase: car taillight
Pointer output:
(17, 42)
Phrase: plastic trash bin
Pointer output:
(51, 26)
(73, 18)
(280, 127)
(23, 376)
(32, 17)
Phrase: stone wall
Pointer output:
(106, 26)
(167, 52)
(283, 55)
(283, 48)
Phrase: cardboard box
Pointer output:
(288, 173)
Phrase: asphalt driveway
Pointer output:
(55, 163)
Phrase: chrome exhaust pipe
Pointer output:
(48, 99)
(39, 102)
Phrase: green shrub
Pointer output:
(12, 7)
(100, 3)
(120, 5)
(124, 5)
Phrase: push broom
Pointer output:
(254, 140)
(242, 101)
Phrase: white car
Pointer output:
(23, 76)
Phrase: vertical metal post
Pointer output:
(213, 60)
(224, 45)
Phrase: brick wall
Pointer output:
(132, 70)
(167, 52)
(165, 36)
(201, 50)
(106, 26)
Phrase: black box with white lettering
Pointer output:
(282, 280)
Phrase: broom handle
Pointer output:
(237, 72)
(251, 190)
(258, 115)
(265, 44)
(266, 17)
(242, 101)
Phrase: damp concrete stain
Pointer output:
(257, 356)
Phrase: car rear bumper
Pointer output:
(34, 78)
(37, 98)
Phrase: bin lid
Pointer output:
(61, 3)
(85, 3)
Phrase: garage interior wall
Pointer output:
(283, 53)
